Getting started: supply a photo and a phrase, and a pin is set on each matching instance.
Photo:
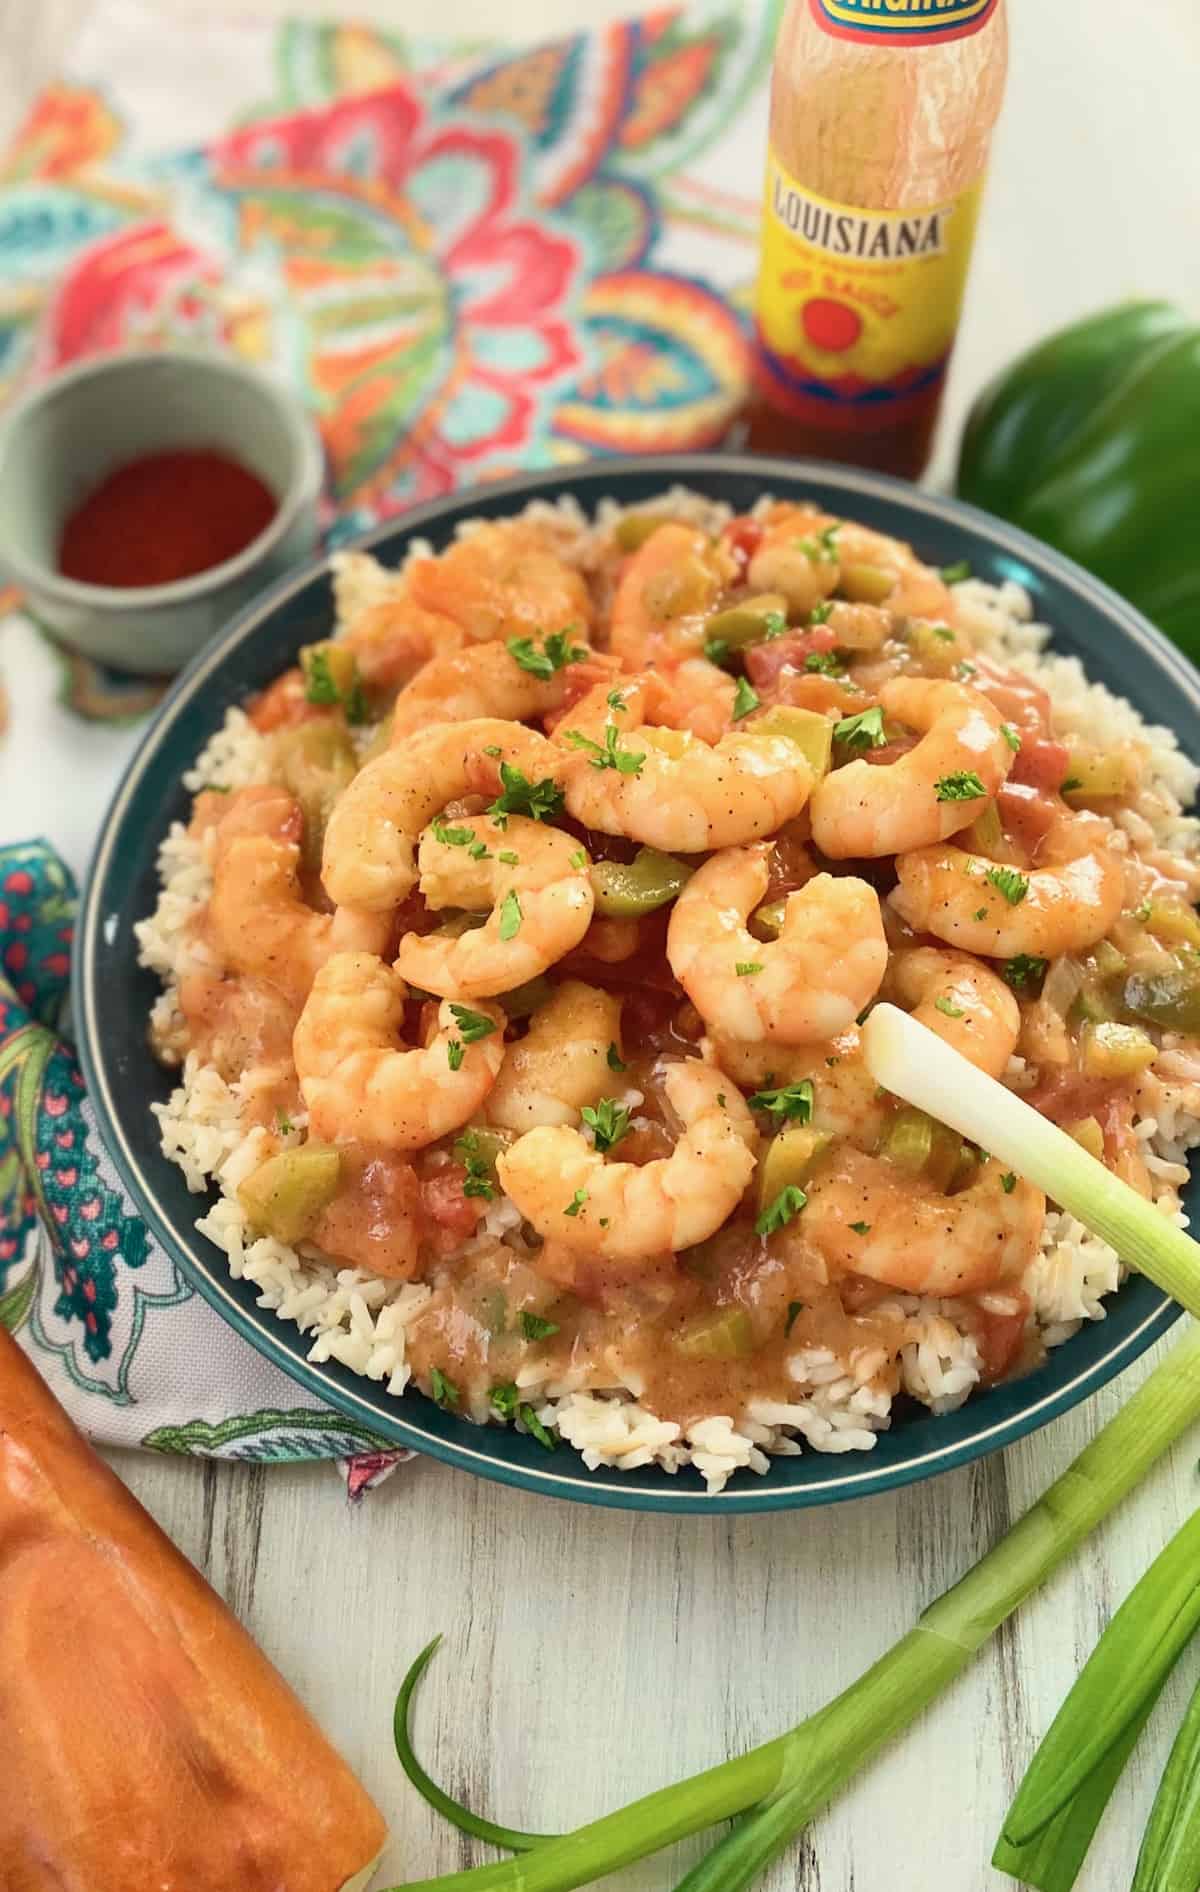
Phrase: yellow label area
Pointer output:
(863, 302)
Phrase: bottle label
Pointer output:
(900, 22)
(857, 309)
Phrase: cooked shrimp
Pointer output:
(562, 1063)
(360, 1082)
(665, 591)
(805, 986)
(390, 634)
(918, 591)
(964, 1002)
(502, 580)
(986, 907)
(258, 918)
(865, 1219)
(536, 881)
(370, 842)
(795, 559)
(484, 680)
(865, 810)
(623, 1212)
(665, 788)
(847, 1102)
(699, 697)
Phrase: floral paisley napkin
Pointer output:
(471, 262)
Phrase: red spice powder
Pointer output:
(164, 517)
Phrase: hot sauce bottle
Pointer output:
(882, 112)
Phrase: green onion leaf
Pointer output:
(319, 685)
(536, 1429)
(1012, 736)
(509, 859)
(1171, 1843)
(504, 1398)
(745, 699)
(746, 968)
(508, 1837)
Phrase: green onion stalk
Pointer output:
(1070, 1779)
(1169, 1860)
(788, 1780)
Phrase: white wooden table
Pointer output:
(592, 1655)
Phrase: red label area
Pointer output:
(902, 22)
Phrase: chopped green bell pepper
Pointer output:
(1088, 441)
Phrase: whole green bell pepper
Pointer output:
(1091, 441)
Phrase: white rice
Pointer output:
(839, 1405)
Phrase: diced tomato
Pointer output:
(765, 661)
(742, 537)
(1041, 764)
(578, 679)
(1066, 1095)
(444, 1204)
(1027, 816)
(999, 1337)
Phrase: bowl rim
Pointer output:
(849, 1477)
(302, 488)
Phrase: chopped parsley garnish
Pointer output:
(479, 1170)
(745, 968)
(716, 649)
(864, 731)
(610, 755)
(556, 651)
(510, 915)
(954, 574)
(964, 670)
(948, 1008)
(795, 1308)
(821, 613)
(519, 796)
(442, 1389)
(479, 851)
(1072, 781)
(616, 701)
(1022, 970)
(578, 858)
(722, 1101)
(504, 1399)
(981, 913)
(576, 1203)
(509, 858)
(319, 684)
(943, 633)
(823, 547)
(793, 1103)
(774, 625)
(1008, 1183)
(536, 1429)
(454, 1053)
(283, 1124)
(608, 1122)
(861, 1228)
(615, 1061)
(472, 1025)
(1143, 911)
(823, 662)
(1012, 736)
(965, 785)
(1007, 881)
(535, 1328)
(745, 699)
(786, 1206)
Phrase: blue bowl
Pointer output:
(113, 995)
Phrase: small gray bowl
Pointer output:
(62, 440)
